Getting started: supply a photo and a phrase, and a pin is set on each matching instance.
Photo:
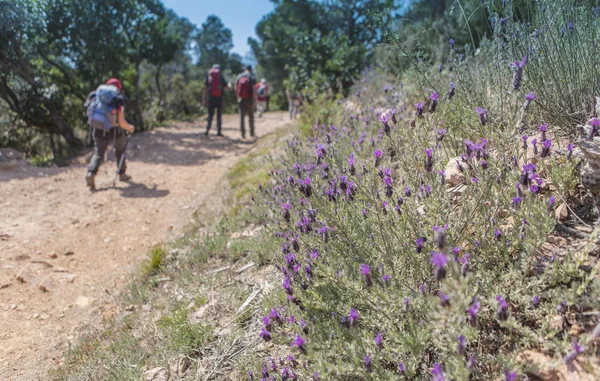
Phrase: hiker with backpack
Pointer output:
(262, 95)
(246, 96)
(106, 116)
(215, 85)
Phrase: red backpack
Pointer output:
(244, 87)
(215, 83)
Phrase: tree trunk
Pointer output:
(158, 88)
(138, 100)
(52, 146)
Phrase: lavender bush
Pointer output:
(412, 248)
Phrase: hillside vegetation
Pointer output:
(427, 224)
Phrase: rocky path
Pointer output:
(66, 253)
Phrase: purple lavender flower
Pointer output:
(535, 301)
(462, 345)
(434, 100)
(546, 145)
(482, 115)
(393, 114)
(386, 280)
(473, 310)
(524, 137)
(299, 342)
(451, 43)
(528, 99)
(444, 299)
(543, 128)
(440, 236)
(305, 187)
(437, 373)
(439, 261)
(402, 368)
(368, 364)
(569, 151)
(386, 126)
(379, 341)
(497, 234)
(510, 376)
(353, 317)
(551, 202)
(419, 106)
(384, 207)
(251, 375)
(516, 201)
(351, 160)
(594, 123)
(518, 73)
(274, 315)
(502, 308)
(471, 362)
(388, 181)
(420, 241)
(428, 159)
(407, 192)
(452, 90)
(441, 134)
(378, 155)
(465, 264)
(286, 211)
(365, 270)
(265, 335)
(577, 349)
(286, 285)
(320, 151)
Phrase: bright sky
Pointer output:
(241, 16)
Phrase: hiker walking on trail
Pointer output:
(294, 101)
(246, 96)
(106, 116)
(262, 94)
(215, 85)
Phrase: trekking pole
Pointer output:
(121, 161)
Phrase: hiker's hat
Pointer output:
(263, 80)
(115, 82)
(216, 66)
(248, 67)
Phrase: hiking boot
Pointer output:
(124, 177)
(219, 133)
(89, 180)
(206, 133)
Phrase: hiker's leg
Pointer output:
(290, 108)
(120, 142)
(261, 108)
(219, 104)
(250, 111)
(211, 112)
(101, 142)
(242, 127)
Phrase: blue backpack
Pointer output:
(102, 109)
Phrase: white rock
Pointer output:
(82, 301)
(156, 374)
(453, 175)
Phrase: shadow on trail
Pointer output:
(180, 147)
(138, 190)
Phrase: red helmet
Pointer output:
(115, 82)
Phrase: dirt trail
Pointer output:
(65, 253)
